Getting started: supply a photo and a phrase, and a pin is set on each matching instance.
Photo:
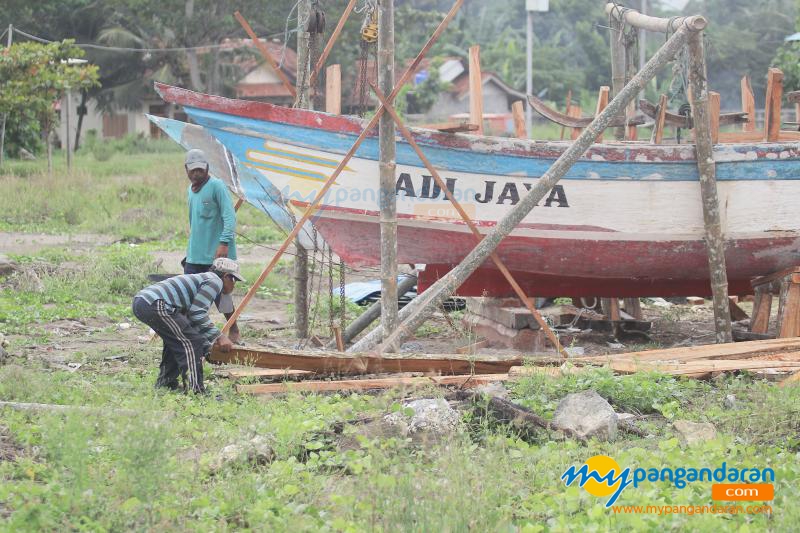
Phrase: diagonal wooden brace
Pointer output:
(473, 228)
(350, 153)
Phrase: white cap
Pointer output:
(196, 159)
(223, 265)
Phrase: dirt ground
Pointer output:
(105, 344)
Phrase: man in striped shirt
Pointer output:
(177, 310)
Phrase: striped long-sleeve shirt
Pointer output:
(190, 294)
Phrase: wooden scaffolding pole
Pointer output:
(414, 314)
(473, 228)
(715, 241)
(387, 198)
(475, 88)
(340, 167)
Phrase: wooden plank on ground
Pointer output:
(354, 363)
(472, 348)
(462, 381)
(238, 373)
(696, 367)
(732, 350)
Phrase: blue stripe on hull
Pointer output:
(455, 160)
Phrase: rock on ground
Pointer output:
(433, 417)
(694, 432)
(257, 450)
(588, 414)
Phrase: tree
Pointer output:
(33, 77)
(788, 59)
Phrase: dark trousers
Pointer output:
(184, 346)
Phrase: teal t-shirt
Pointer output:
(212, 221)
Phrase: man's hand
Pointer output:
(223, 343)
(222, 251)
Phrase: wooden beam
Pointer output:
(757, 136)
(566, 111)
(748, 105)
(462, 381)
(602, 103)
(339, 363)
(713, 114)
(331, 41)
(734, 350)
(238, 373)
(333, 90)
(337, 333)
(697, 367)
(266, 55)
(570, 119)
(679, 121)
(452, 127)
(518, 113)
(312, 208)
(737, 313)
(475, 88)
(611, 308)
(660, 118)
(762, 307)
(790, 321)
(772, 107)
(575, 111)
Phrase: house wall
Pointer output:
(107, 125)
(495, 100)
(260, 75)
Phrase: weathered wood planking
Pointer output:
(464, 381)
(339, 363)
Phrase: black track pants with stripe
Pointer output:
(184, 346)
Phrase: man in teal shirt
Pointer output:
(212, 226)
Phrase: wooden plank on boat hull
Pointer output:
(338, 363)
(574, 122)
(462, 381)
(679, 121)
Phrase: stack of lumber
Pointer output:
(336, 371)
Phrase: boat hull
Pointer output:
(625, 220)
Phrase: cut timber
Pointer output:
(734, 350)
(680, 121)
(238, 373)
(452, 127)
(575, 112)
(570, 120)
(737, 313)
(339, 363)
(698, 367)
(333, 90)
(602, 103)
(463, 381)
(772, 107)
(713, 113)
(475, 88)
(748, 105)
(518, 114)
(757, 136)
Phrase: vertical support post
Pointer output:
(388, 195)
(713, 111)
(333, 90)
(67, 134)
(475, 88)
(566, 110)
(643, 38)
(748, 105)
(617, 68)
(715, 242)
(518, 114)
(772, 108)
(602, 102)
(576, 112)
(529, 72)
(302, 101)
(5, 115)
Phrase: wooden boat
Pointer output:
(626, 220)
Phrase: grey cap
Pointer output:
(196, 159)
(223, 265)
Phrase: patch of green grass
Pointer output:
(56, 285)
(134, 197)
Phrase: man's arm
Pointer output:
(198, 312)
(228, 215)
